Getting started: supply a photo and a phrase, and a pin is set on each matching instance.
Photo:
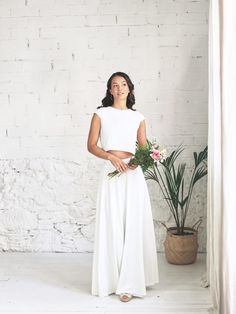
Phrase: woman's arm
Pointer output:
(93, 137)
(141, 134)
(141, 138)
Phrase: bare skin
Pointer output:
(119, 90)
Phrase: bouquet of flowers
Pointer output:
(145, 157)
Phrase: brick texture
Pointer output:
(55, 59)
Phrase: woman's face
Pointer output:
(119, 88)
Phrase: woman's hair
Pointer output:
(108, 99)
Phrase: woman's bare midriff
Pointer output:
(120, 154)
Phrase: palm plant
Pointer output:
(171, 180)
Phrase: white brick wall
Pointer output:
(55, 59)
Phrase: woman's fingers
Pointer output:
(119, 164)
(121, 167)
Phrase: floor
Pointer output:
(60, 283)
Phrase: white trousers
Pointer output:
(125, 258)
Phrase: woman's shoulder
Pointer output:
(138, 114)
(100, 111)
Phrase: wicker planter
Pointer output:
(181, 249)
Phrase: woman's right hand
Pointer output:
(117, 163)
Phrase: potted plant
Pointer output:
(181, 242)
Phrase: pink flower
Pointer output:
(156, 155)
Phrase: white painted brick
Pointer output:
(24, 33)
(54, 10)
(6, 113)
(8, 23)
(22, 99)
(3, 96)
(55, 101)
(122, 7)
(147, 50)
(89, 8)
(73, 2)
(49, 140)
(105, 33)
(100, 20)
(19, 131)
(10, 48)
(197, 6)
(10, 146)
(182, 30)
(72, 21)
(192, 18)
(23, 10)
(149, 30)
(44, 3)
(5, 10)
(14, 66)
(162, 18)
(3, 131)
(43, 21)
(129, 19)
(28, 65)
(5, 33)
(43, 241)
(168, 41)
(63, 120)
(56, 21)
(43, 130)
(53, 72)
(37, 46)
(171, 6)
(124, 53)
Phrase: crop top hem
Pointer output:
(120, 150)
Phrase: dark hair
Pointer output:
(108, 99)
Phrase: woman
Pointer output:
(125, 259)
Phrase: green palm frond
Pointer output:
(151, 175)
(170, 178)
(180, 174)
(171, 186)
(201, 157)
(200, 173)
(169, 161)
(183, 202)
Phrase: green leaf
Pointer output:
(200, 173)
(171, 178)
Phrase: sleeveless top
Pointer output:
(119, 128)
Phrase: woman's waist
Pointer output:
(120, 154)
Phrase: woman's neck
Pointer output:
(120, 104)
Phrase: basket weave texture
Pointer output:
(181, 249)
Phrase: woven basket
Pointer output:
(181, 249)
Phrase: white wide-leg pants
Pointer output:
(125, 258)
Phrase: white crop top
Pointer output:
(119, 128)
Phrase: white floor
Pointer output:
(60, 283)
